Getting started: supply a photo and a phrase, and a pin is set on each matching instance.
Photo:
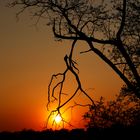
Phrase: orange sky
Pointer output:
(28, 58)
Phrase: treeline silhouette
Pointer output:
(112, 120)
(115, 132)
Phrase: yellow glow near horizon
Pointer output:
(58, 119)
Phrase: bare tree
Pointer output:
(109, 27)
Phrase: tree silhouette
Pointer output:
(124, 111)
(110, 29)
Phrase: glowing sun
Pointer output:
(58, 118)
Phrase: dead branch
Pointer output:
(70, 67)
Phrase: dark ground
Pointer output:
(114, 133)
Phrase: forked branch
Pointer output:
(70, 67)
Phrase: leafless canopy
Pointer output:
(110, 28)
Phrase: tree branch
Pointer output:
(70, 67)
(106, 60)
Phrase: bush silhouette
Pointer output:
(123, 112)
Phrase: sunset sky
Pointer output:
(29, 55)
